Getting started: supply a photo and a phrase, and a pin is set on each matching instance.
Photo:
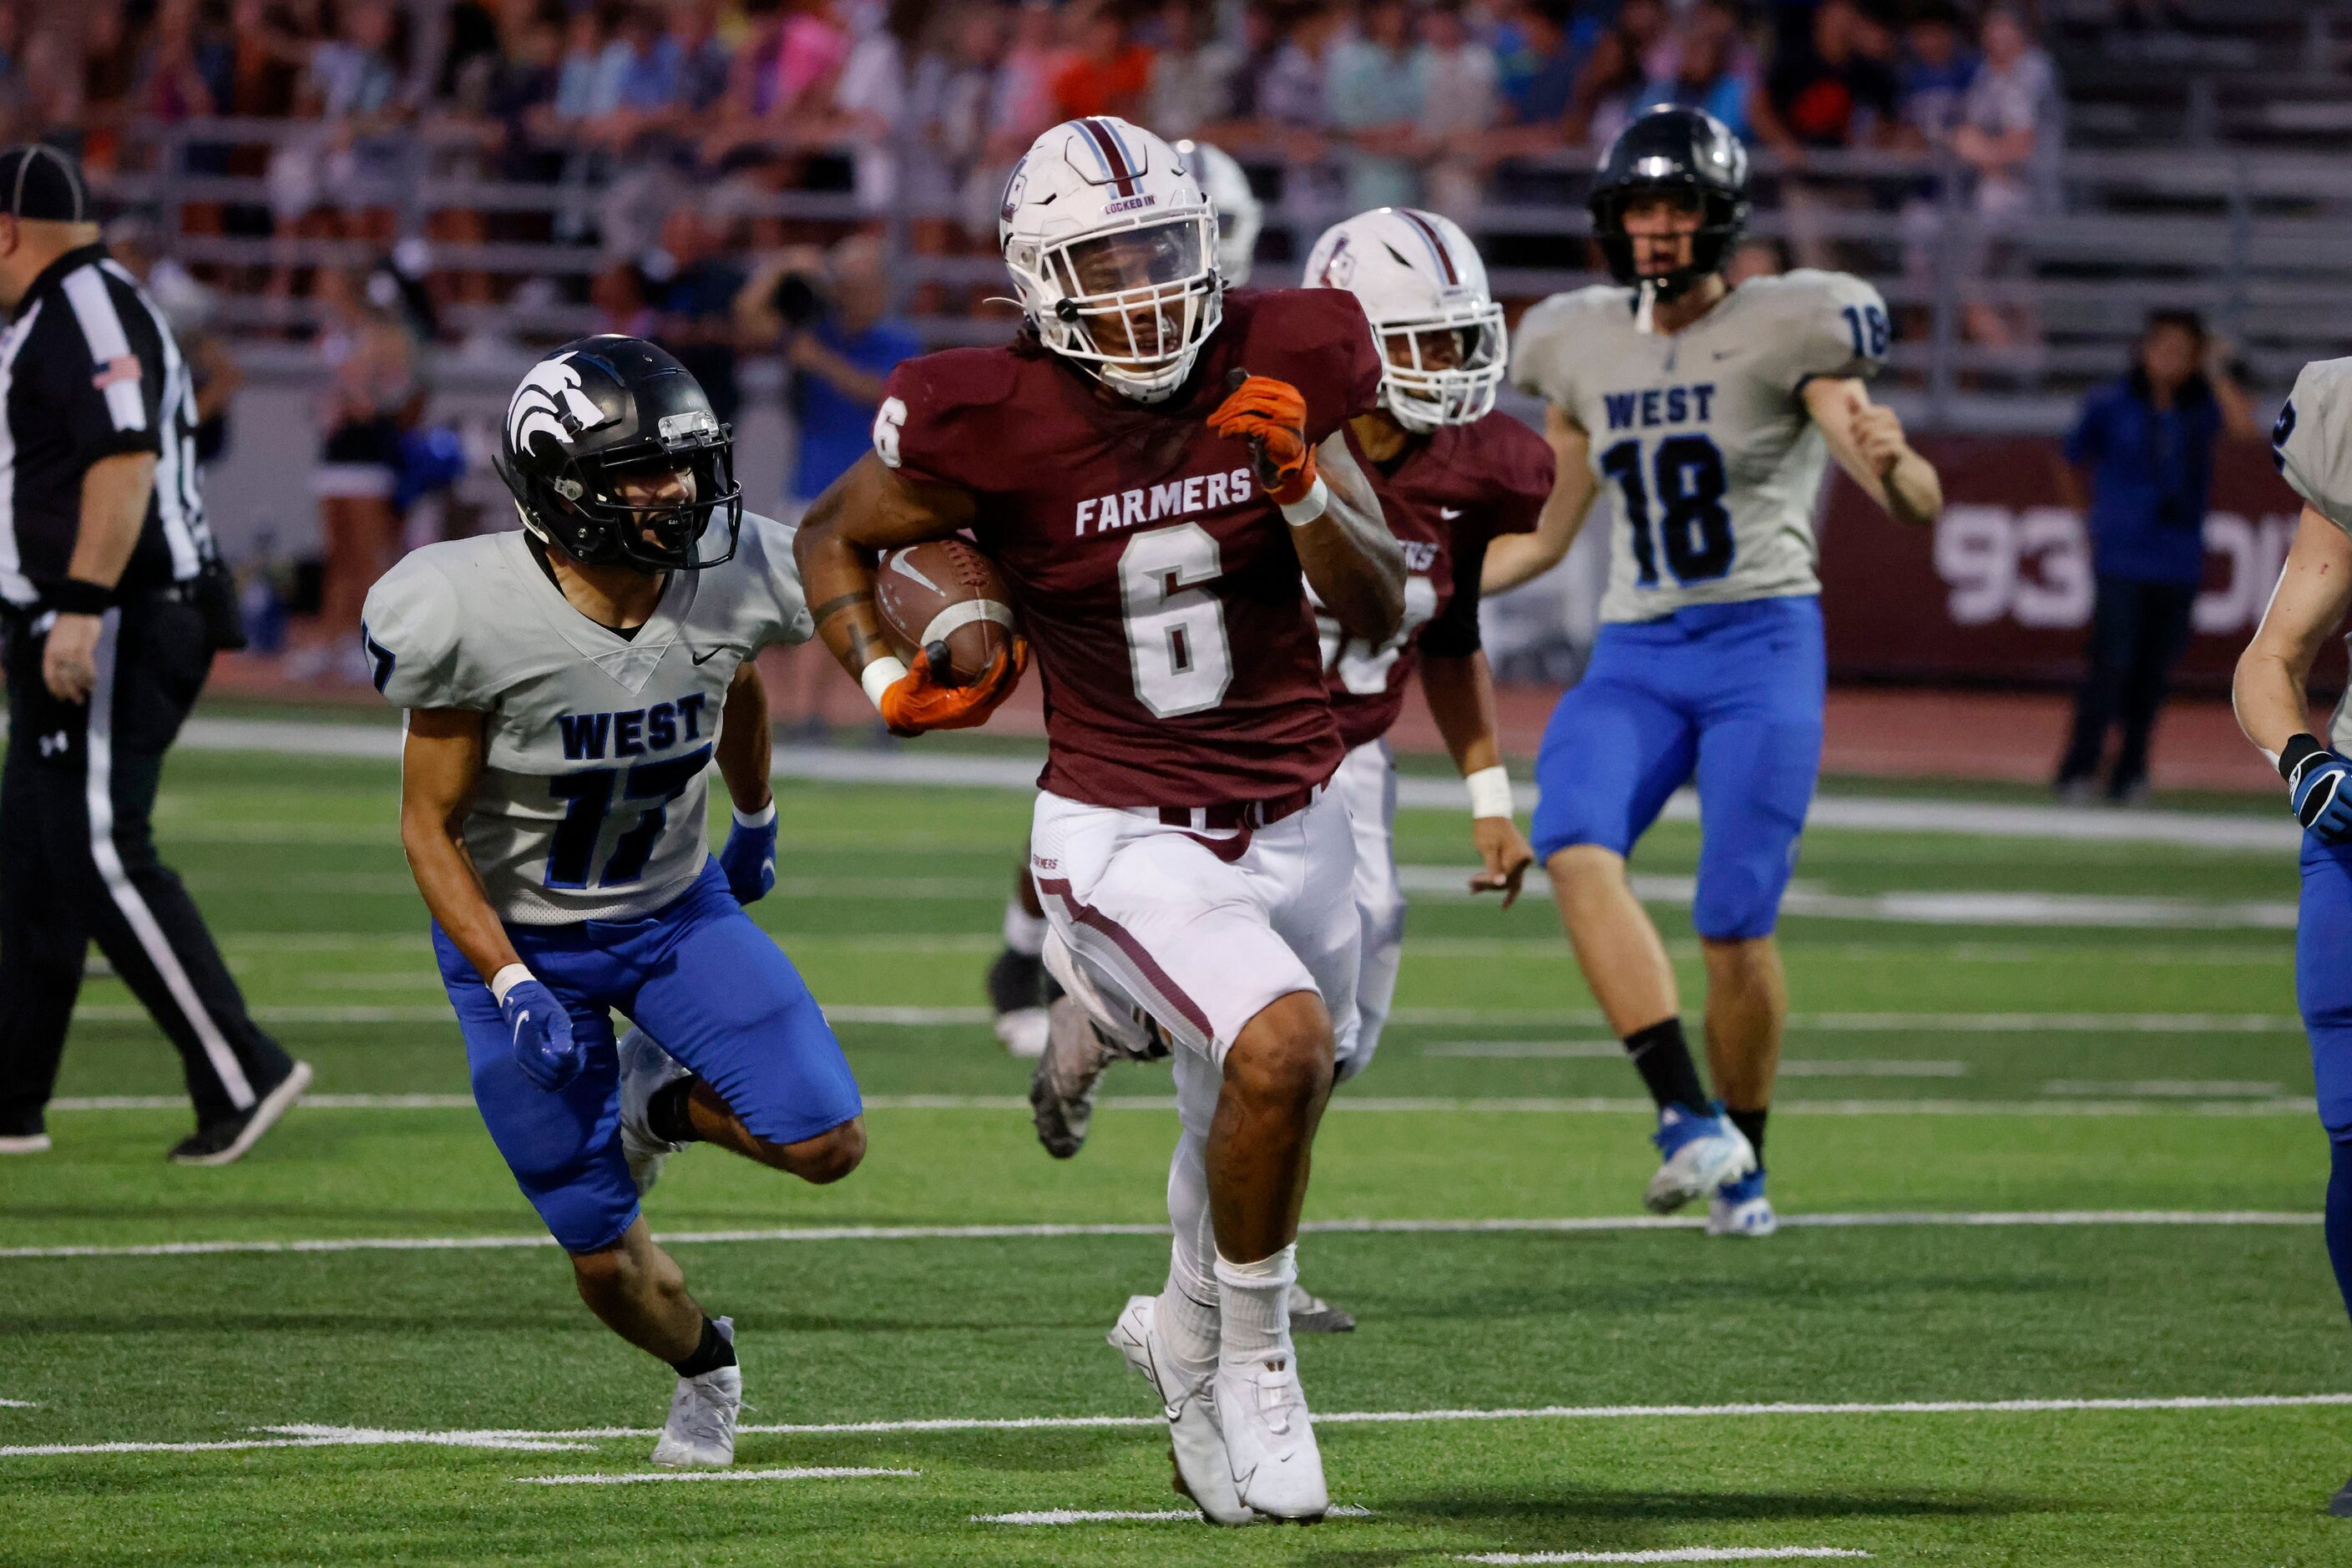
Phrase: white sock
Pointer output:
(1186, 1318)
(1253, 1302)
(1025, 933)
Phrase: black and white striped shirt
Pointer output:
(88, 370)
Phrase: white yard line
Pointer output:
(2164, 1088)
(634, 1477)
(1601, 1224)
(1667, 1554)
(20, 1404)
(1128, 1515)
(1611, 1050)
(1867, 813)
(507, 1438)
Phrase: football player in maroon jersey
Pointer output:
(1451, 473)
(1152, 467)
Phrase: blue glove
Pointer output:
(749, 857)
(2317, 780)
(543, 1046)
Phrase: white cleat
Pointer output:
(1195, 1442)
(645, 1067)
(24, 1143)
(1740, 1217)
(700, 1431)
(1021, 1032)
(1270, 1440)
(1700, 1154)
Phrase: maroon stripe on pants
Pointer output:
(1156, 977)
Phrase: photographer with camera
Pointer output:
(831, 312)
(828, 312)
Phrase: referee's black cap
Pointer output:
(41, 182)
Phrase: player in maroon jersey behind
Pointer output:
(1152, 465)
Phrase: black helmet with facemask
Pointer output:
(1685, 154)
(591, 416)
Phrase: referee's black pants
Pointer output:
(77, 864)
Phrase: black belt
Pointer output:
(1241, 813)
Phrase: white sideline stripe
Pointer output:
(1611, 1050)
(1867, 813)
(1599, 1223)
(804, 1473)
(20, 1404)
(1667, 1554)
(98, 797)
(2156, 1103)
(1115, 1515)
(1836, 1023)
(313, 1437)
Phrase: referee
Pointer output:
(113, 603)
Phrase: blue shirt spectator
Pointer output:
(840, 344)
(2151, 475)
(836, 428)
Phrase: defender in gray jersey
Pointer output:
(2312, 443)
(1710, 413)
(568, 687)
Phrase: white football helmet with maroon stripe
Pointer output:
(1240, 214)
(1443, 345)
(1112, 245)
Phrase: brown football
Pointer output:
(944, 599)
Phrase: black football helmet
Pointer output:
(1673, 152)
(596, 410)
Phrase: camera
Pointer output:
(797, 299)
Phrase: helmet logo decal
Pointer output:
(1340, 266)
(549, 401)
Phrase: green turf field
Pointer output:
(1567, 1384)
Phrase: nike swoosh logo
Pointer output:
(905, 568)
(1449, 513)
(702, 658)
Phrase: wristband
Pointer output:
(1490, 792)
(2297, 753)
(1309, 507)
(760, 818)
(506, 980)
(78, 596)
(880, 676)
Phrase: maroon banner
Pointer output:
(2000, 593)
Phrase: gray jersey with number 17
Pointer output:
(2312, 445)
(1715, 461)
(590, 801)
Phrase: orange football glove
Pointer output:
(915, 702)
(1271, 417)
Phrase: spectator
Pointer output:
(1373, 99)
(1111, 72)
(1705, 64)
(623, 299)
(1262, 40)
(694, 289)
(1827, 93)
(704, 61)
(1615, 71)
(1937, 66)
(1291, 101)
(829, 314)
(1023, 105)
(1538, 67)
(952, 191)
(371, 397)
(2142, 449)
(1456, 71)
(2007, 135)
(1191, 73)
(870, 102)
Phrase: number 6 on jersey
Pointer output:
(1175, 628)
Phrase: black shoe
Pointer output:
(2340, 1505)
(224, 1142)
(1310, 1314)
(1016, 980)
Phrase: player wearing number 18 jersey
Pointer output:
(1710, 413)
(1152, 465)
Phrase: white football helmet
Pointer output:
(1443, 346)
(1240, 214)
(1112, 245)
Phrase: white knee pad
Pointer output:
(1122, 1023)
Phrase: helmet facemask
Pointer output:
(1132, 306)
(587, 509)
(1443, 368)
(1721, 220)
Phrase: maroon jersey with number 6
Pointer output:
(1158, 588)
(1444, 497)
